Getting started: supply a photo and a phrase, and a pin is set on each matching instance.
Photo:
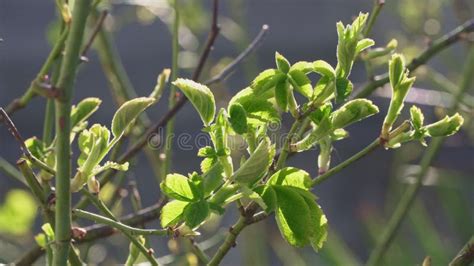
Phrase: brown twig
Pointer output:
(94, 33)
(16, 134)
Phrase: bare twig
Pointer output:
(16, 134)
(94, 33)
(436, 47)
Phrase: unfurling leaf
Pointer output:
(282, 94)
(160, 84)
(324, 68)
(446, 126)
(303, 66)
(417, 117)
(266, 80)
(83, 110)
(352, 112)
(200, 96)
(364, 44)
(282, 63)
(301, 83)
(322, 130)
(178, 187)
(238, 118)
(127, 113)
(401, 84)
(172, 212)
(343, 89)
(256, 165)
(259, 110)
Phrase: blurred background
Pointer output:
(357, 203)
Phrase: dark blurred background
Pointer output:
(357, 202)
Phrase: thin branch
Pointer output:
(16, 134)
(118, 225)
(63, 103)
(465, 256)
(94, 33)
(21, 102)
(410, 194)
(378, 4)
(99, 231)
(436, 47)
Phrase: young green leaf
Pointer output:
(213, 178)
(178, 187)
(83, 110)
(343, 89)
(446, 126)
(266, 80)
(268, 195)
(292, 216)
(127, 113)
(200, 96)
(259, 110)
(318, 225)
(110, 165)
(303, 66)
(324, 68)
(36, 147)
(282, 63)
(417, 117)
(396, 69)
(364, 44)
(282, 91)
(238, 118)
(301, 83)
(196, 213)
(352, 112)
(291, 176)
(172, 212)
(322, 130)
(256, 165)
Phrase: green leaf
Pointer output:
(267, 193)
(266, 80)
(83, 110)
(196, 213)
(17, 213)
(282, 91)
(396, 69)
(322, 130)
(213, 178)
(319, 114)
(301, 83)
(206, 151)
(446, 126)
(353, 111)
(292, 216)
(200, 96)
(324, 68)
(258, 109)
(177, 186)
(324, 88)
(127, 113)
(291, 176)
(172, 212)
(282, 63)
(364, 44)
(319, 224)
(36, 147)
(303, 66)
(207, 164)
(417, 117)
(256, 165)
(343, 89)
(238, 118)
